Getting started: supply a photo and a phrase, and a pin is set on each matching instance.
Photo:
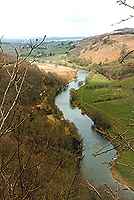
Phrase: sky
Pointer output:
(28, 18)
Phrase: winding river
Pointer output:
(95, 169)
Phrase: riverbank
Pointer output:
(119, 178)
(63, 146)
(109, 103)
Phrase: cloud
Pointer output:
(60, 17)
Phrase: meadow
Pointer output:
(110, 104)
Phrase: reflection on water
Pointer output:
(95, 169)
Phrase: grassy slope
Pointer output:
(104, 48)
(114, 101)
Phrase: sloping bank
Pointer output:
(40, 156)
(109, 104)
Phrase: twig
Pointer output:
(98, 154)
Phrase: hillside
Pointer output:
(105, 48)
(39, 154)
(108, 96)
(63, 73)
(110, 104)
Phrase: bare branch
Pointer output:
(106, 151)
(91, 187)
(126, 55)
(15, 100)
(32, 48)
(124, 2)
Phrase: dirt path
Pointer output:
(65, 73)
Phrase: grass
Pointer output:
(113, 100)
(51, 52)
(125, 165)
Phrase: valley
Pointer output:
(40, 149)
(107, 97)
(74, 116)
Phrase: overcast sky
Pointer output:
(28, 18)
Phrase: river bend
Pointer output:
(95, 169)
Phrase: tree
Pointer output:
(128, 4)
(16, 168)
(34, 153)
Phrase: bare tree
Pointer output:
(27, 170)
(15, 181)
(128, 4)
(16, 78)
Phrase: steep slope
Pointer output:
(40, 154)
(105, 48)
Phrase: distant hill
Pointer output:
(124, 31)
(48, 39)
(105, 48)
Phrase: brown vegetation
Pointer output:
(64, 73)
(104, 48)
(39, 152)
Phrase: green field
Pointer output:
(110, 103)
(49, 51)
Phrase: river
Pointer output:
(95, 169)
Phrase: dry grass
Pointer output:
(64, 73)
(98, 50)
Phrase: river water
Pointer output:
(95, 169)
